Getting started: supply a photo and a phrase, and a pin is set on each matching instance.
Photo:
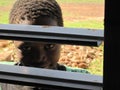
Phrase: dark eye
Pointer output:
(49, 46)
(25, 47)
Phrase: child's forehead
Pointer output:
(39, 21)
(37, 43)
(18, 43)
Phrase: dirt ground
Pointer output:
(83, 11)
(75, 56)
(81, 56)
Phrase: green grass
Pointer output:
(6, 2)
(80, 1)
(96, 67)
(94, 24)
(5, 14)
(4, 18)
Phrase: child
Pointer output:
(37, 54)
(37, 12)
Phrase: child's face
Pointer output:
(39, 54)
(40, 21)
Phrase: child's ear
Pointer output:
(17, 43)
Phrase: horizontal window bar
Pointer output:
(53, 34)
(51, 78)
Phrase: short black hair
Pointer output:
(33, 9)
